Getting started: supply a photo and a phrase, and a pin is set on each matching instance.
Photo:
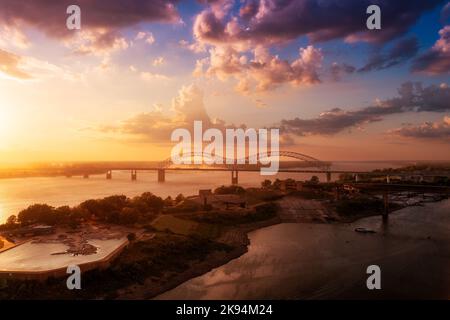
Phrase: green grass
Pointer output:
(185, 227)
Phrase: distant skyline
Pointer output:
(115, 90)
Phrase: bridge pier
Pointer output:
(388, 179)
(328, 177)
(234, 177)
(133, 175)
(356, 178)
(161, 175)
(109, 175)
(386, 206)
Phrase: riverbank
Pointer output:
(237, 238)
(179, 245)
(329, 261)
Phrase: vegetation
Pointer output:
(233, 189)
(259, 213)
(117, 209)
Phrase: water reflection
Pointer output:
(295, 261)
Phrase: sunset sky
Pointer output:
(136, 70)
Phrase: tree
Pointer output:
(266, 183)
(153, 202)
(168, 202)
(129, 215)
(131, 236)
(179, 198)
(314, 179)
(12, 220)
(38, 213)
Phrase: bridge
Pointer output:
(385, 189)
(204, 162)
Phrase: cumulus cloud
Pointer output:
(273, 21)
(102, 20)
(235, 30)
(10, 65)
(156, 126)
(413, 97)
(263, 71)
(437, 59)
(439, 130)
(402, 51)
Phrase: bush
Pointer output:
(131, 236)
(229, 190)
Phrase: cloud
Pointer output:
(338, 71)
(145, 36)
(102, 20)
(437, 59)
(156, 126)
(273, 21)
(402, 51)
(158, 61)
(262, 72)
(18, 67)
(10, 65)
(148, 76)
(413, 97)
(439, 130)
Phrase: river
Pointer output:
(17, 194)
(329, 261)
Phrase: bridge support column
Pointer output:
(386, 206)
(161, 175)
(388, 179)
(133, 175)
(234, 177)
(328, 177)
(356, 178)
(109, 175)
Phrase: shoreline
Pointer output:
(215, 260)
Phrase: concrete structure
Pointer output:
(43, 274)
(161, 175)
(234, 177)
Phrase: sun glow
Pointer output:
(6, 124)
